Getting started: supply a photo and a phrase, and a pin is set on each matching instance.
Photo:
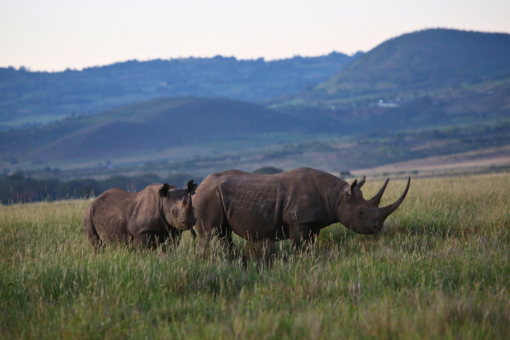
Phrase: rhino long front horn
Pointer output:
(386, 211)
(189, 205)
(374, 201)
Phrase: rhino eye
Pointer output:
(359, 213)
(174, 212)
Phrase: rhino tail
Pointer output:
(90, 229)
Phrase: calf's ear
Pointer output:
(163, 191)
(191, 187)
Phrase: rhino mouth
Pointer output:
(185, 227)
(375, 229)
(370, 232)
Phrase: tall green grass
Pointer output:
(440, 270)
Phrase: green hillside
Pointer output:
(180, 129)
(28, 97)
(418, 62)
(144, 127)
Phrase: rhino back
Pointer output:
(116, 213)
(110, 213)
(145, 211)
(311, 196)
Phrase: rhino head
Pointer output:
(178, 205)
(362, 216)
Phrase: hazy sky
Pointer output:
(56, 34)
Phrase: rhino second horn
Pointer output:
(374, 201)
(387, 211)
(189, 205)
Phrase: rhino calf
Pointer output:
(293, 205)
(144, 219)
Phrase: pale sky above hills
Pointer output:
(53, 35)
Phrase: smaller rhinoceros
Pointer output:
(145, 218)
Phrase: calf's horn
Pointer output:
(386, 211)
(377, 198)
(188, 206)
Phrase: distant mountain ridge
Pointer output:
(37, 97)
(418, 62)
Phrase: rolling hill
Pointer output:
(37, 97)
(145, 127)
(427, 79)
(419, 62)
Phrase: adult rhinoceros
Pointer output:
(144, 218)
(293, 205)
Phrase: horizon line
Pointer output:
(218, 56)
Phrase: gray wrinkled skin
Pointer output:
(293, 205)
(143, 219)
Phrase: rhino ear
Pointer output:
(191, 187)
(350, 188)
(163, 191)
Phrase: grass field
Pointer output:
(440, 270)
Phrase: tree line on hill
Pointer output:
(18, 188)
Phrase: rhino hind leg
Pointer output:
(261, 251)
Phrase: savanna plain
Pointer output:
(441, 269)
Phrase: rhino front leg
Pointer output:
(314, 235)
(205, 234)
(175, 237)
(303, 236)
(224, 235)
(141, 240)
(169, 239)
(149, 239)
